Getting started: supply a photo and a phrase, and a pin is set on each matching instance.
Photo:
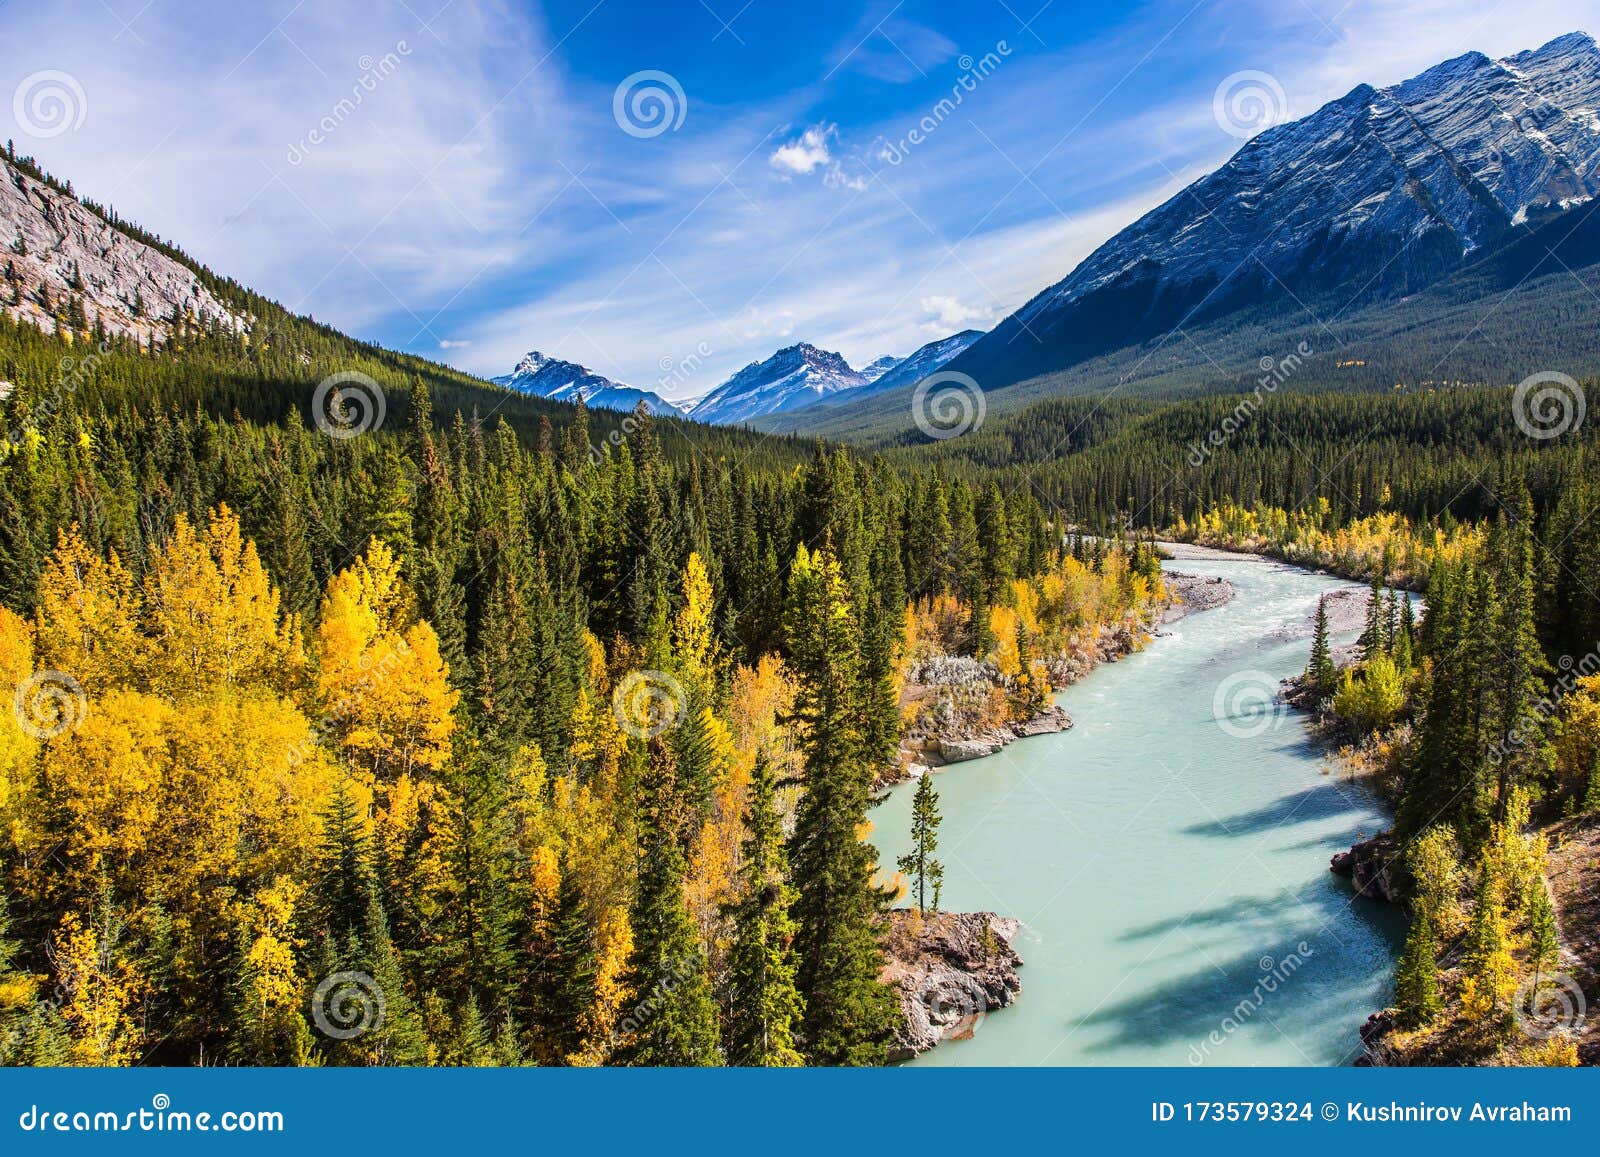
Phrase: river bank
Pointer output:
(958, 736)
(1145, 959)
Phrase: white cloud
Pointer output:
(447, 344)
(807, 153)
(948, 313)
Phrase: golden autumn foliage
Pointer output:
(384, 687)
(1385, 545)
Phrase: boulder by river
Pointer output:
(951, 969)
(1370, 866)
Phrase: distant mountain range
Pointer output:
(794, 378)
(546, 377)
(803, 377)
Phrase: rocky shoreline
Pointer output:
(1187, 594)
(951, 969)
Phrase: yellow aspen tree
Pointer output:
(101, 992)
(383, 685)
(86, 623)
(18, 748)
(211, 612)
(694, 643)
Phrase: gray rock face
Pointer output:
(951, 969)
(1386, 190)
(67, 249)
(1369, 866)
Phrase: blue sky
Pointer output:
(455, 179)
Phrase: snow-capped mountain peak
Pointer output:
(543, 376)
(795, 376)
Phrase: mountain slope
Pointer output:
(925, 360)
(1376, 195)
(543, 376)
(790, 379)
(64, 258)
(1533, 303)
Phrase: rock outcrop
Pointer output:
(1369, 865)
(951, 969)
(61, 249)
(957, 749)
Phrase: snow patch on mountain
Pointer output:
(790, 379)
(561, 381)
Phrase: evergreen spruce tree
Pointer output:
(850, 1013)
(673, 1020)
(1371, 640)
(1320, 670)
(1417, 979)
(400, 1038)
(763, 1003)
(925, 871)
(567, 982)
(1544, 938)
(1490, 970)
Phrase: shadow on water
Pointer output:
(1314, 803)
(1290, 984)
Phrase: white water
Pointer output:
(1170, 869)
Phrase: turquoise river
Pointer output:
(1168, 856)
